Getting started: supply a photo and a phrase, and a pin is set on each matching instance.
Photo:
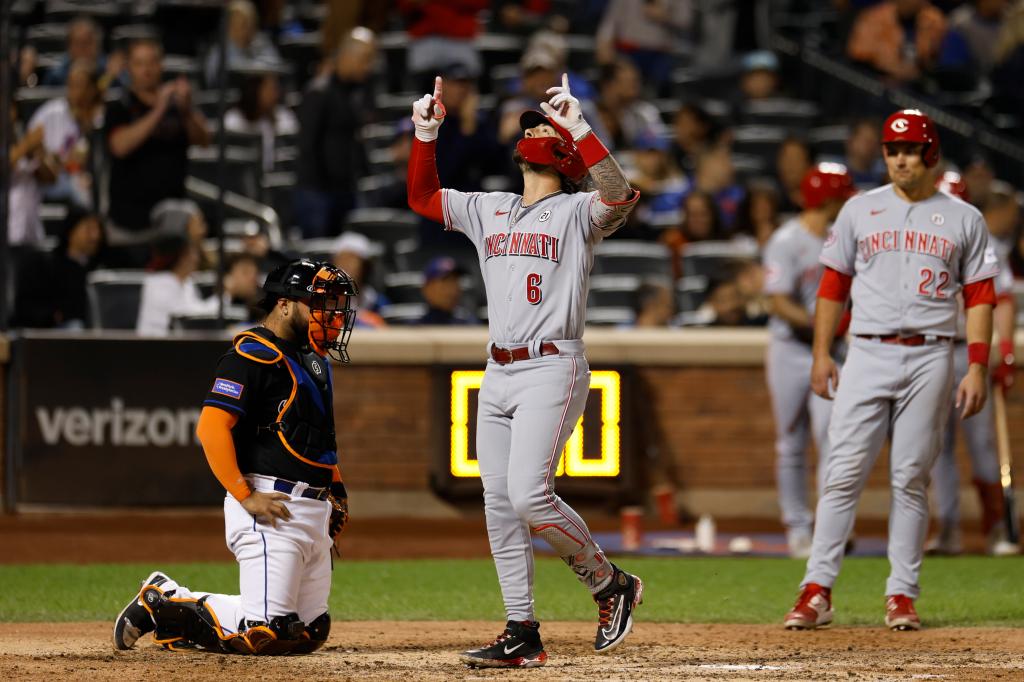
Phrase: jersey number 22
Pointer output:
(927, 278)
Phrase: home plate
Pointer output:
(736, 666)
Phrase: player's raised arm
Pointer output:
(565, 110)
(423, 186)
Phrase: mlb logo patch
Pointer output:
(231, 389)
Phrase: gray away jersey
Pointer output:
(792, 268)
(908, 260)
(535, 259)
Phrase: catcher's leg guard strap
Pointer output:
(315, 635)
(281, 636)
(181, 621)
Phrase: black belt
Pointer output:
(283, 486)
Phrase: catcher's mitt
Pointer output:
(339, 511)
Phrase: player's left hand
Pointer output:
(1003, 373)
(565, 110)
(971, 394)
(339, 509)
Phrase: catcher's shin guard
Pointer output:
(282, 635)
(315, 635)
(181, 622)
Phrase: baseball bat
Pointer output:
(1005, 465)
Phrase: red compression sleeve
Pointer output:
(980, 293)
(423, 186)
(214, 431)
(835, 286)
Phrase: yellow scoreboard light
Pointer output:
(605, 461)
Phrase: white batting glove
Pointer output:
(428, 113)
(565, 110)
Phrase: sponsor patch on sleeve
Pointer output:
(231, 389)
(990, 256)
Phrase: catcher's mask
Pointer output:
(330, 294)
(558, 152)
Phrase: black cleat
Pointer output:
(134, 620)
(519, 646)
(615, 606)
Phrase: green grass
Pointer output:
(958, 591)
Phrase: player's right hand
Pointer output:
(824, 371)
(267, 507)
(428, 113)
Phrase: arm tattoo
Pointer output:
(611, 183)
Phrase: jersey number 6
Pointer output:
(927, 277)
(533, 293)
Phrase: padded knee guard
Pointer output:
(282, 635)
(315, 635)
(181, 622)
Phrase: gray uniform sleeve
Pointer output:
(778, 268)
(979, 260)
(461, 212)
(840, 249)
(1004, 280)
(602, 219)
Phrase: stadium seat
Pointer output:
(610, 317)
(625, 257)
(50, 37)
(29, 99)
(325, 249)
(233, 315)
(829, 140)
(613, 291)
(206, 280)
(384, 224)
(708, 259)
(403, 313)
(114, 297)
(53, 216)
(691, 292)
(758, 141)
(241, 168)
(277, 193)
(404, 287)
(791, 114)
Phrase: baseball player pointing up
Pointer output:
(535, 251)
(904, 251)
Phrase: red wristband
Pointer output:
(977, 353)
(591, 149)
(1005, 348)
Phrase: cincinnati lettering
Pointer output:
(908, 241)
(535, 244)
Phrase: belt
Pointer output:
(283, 486)
(506, 356)
(915, 340)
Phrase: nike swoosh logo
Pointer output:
(613, 626)
(881, 210)
(508, 651)
(501, 213)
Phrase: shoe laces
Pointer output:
(501, 638)
(900, 602)
(809, 593)
(605, 607)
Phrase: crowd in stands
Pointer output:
(115, 170)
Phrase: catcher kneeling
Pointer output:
(267, 428)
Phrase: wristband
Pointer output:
(591, 149)
(977, 353)
(1006, 349)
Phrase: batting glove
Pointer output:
(428, 113)
(565, 110)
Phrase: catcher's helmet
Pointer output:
(826, 182)
(912, 125)
(559, 152)
(953, 183)
(330, 294)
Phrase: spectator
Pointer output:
(149, 131)
(749, 278)
(863, 154)
(51, 289)
(353, 254)
(900, 38)
(715, 176)
(183, 217)
(723, 307)
(702, 221)
(31, 165)
(978, 23)
(67, 124)
(792, 161)
(648, 32)
(979, 176)
(441, 32)
(469, 139)
(259, 112)
(557, 47)
(241, 284)
(760, 79)
(84, 45)
(1008, 69)
(662, 185)
(655, 305)
(538, 72)
(623, 115)
(524, 17)
(331, 153)
(1002, 215)
(28, 62)
(169, 288)
(693, 132)
(256, 243)
(758, 214)
(247, 45)
(442, 291)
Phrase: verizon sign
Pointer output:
(108, 422)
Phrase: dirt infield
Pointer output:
(427, 651)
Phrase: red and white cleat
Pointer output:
(813, 609)
(900, 614)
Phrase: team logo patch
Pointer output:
(990, 256)
(900, 125)
(938, 218)
(231, 389)
(544, 216)
(316, 367)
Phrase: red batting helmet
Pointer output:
(826, 182)
(912, 125)
(952, 183)
(559, 152)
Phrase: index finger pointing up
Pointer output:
(565, 82)
(437, 87)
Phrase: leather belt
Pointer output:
(283, 486)
(506, 356)
(915, 340)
